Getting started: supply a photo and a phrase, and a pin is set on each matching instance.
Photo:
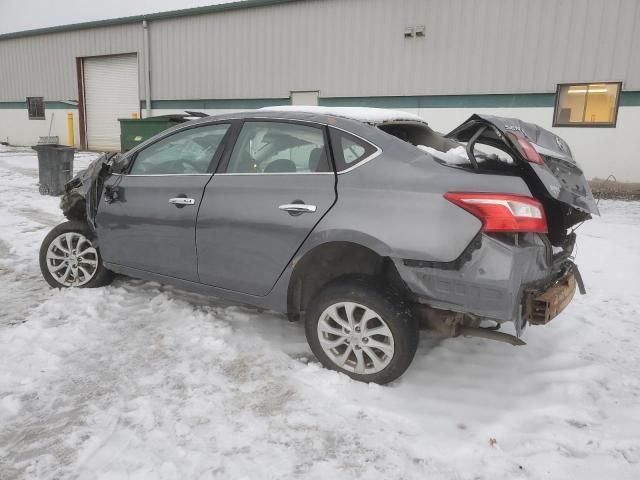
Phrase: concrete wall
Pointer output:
(17, 129)
(600, 151)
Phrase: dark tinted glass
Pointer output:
(348, 150)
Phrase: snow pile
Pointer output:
(362, 114)
(454, 156)
(139, 380)
(459, 156)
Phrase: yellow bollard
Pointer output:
(71, 138)
(134, 115)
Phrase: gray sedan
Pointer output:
(365, 224)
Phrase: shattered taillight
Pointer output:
(525, 148)
(501, 212)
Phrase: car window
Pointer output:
(349, 150)
(186, 152)
(274, 147)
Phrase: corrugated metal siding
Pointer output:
(347, 48)
(45, 65)
(357, 48)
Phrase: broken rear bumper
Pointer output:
(541, 308)
(502, 279)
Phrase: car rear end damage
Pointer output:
(499, 277)
(519, 268)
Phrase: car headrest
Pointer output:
(281, 165)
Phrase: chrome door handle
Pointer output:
(182, 201)
(297, 208)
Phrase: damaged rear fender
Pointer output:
(489, 284)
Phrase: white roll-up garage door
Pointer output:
(110, 92)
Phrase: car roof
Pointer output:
(373, 116)
(337, 116)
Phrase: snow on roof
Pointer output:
(362, 114)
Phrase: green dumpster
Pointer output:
(134, 131)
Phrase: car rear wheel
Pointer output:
(360, 328)
(69, 258)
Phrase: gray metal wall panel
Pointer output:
(44, 65)
(356, 48)
(351, 48)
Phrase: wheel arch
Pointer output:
(330, 260)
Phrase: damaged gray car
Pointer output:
(365, 224)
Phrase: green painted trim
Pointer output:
(630, 99)
(47, 106)
(512, 100)
(13, 105)
(152, 16)
(446, 101)
(516, 100)
(219, 104)
(59, 106)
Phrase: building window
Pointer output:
(587, 105)
(35, 105)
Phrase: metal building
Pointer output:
(572, 66)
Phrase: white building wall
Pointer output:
(17, 129)
(599, 151)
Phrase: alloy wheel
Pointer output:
(71, 259)
(355, 338)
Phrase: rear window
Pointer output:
(348, 150)
(445, 149)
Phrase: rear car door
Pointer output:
(147, 217)
(273, 187)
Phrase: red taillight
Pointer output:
(526, 148)
(502, 212)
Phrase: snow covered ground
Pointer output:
(139, 380)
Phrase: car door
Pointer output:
(147, 217)
(274, 186)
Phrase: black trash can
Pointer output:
(55, 168)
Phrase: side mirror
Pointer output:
(119, 163)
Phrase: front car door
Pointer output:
(273, 188)
(147, 218)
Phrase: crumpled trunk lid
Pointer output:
(561, 177)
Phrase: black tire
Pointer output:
(102, 275)
(389, 305)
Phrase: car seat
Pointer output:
(281, 165)
(318, 160)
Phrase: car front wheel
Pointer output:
(360, 328)
(69, 258)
